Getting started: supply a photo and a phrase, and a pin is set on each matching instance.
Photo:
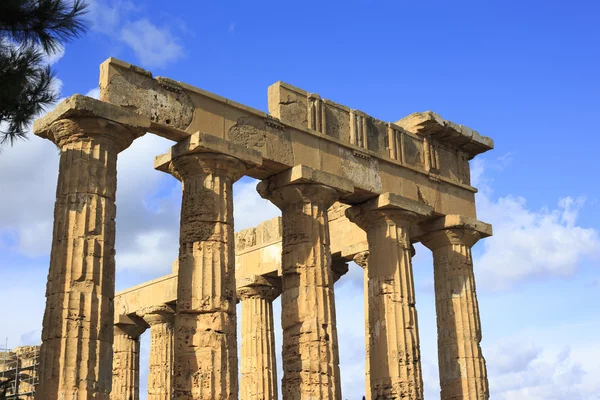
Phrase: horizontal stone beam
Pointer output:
(410, 159)
(258, 251)
(158, 291)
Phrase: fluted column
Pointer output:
(160, 320)
(362, 260)
(258, 367)
(126, 362)
(205, 325)
(310, 347)
(463, 374)
(77, 334)
(395, 361)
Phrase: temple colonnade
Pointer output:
(90, 350)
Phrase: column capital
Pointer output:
(301, 193)
(339, 268)
(387, 206)
(199, 165)
(362, 259)
(257, 286)
(154, 315)
(450, 236)
(452, 229)
(202, 154)
(80, 118)
(302, 184)
(132, 330)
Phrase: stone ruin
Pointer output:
(19, 372)
(349, 186)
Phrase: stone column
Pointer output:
(463, 374)
(310, 347)
(361, 259)
(160, 320)
(394, 354)
(126, 362)
(205, 361)
(258, 366)
(77, 334)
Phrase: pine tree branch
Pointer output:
(44, 22)
(27, 90)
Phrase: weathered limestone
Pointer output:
(463, 374)
(158, 291)
(310, 349)
(205, 326)
(257, 364)
(394, 355)
(126, 362)
(77, 333)
(401, 182)
(160, 319)
(376, 156)
(19, 372)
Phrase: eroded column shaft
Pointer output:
(395, 364)
(258, 366)
(126, 363)
(160, 375)
(205, 325)
(77, 334)
(310, 346)
(463, 374)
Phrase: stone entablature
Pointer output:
(284, 139)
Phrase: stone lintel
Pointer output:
(451, 222)
(83, 106)
(305, 174)
(124, 319)
(431, 124)
(350, 251)
(389, 201)
(204, 143)
(128, 302)
(286, 138)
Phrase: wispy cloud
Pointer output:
(106, 16)
(154, 46)
(123, 21)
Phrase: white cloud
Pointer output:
(151, 251)
(30, 164)
(529, 243)
(153, 46)
(23, 300)
(249, 208)
(54, 57)
(124, 21)
(518, 369)
(148, 207)
(95, 93)
(106, 16)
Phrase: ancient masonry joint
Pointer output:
(350, 187)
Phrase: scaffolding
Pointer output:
(19, 372)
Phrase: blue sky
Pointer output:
(523, 73)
